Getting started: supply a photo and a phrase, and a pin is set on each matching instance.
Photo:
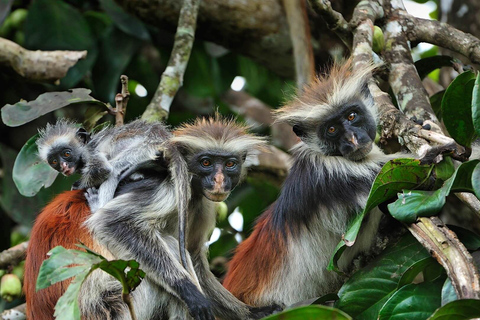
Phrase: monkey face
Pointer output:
(64, 160)
(215, 174)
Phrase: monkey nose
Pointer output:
(64, 165)
(353, 140)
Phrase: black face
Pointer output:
(215, 174)
(64, 160)
(350, 133)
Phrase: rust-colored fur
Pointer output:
(255, 261)
(60, 223)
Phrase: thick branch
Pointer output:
(335, 21)
(17, 313)
(13, 255)
(301, 39)
(272, 165)
(38, 65)
(444, 246)
(172, 77)
(443, 35)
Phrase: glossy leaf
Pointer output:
(364, 294)
(413, 302)
(411, 273)
(458, 310)
(14, 115)
(395, 175)
(313, 312)
(476, 180)
(30, 173)
(125, 21)
(436, 103)
(476, 105)
(457, 108)
(448, 292)
(417, 203)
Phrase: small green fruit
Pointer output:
(222, 211)
(378, 40)
(10, 287)
(19, 270)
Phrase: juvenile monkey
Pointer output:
(285, 258)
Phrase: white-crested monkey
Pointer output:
(141, 223)
(285, 258)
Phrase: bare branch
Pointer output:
(121, 101)
(38, 65)
(443, 35)
(445, 247)
(301, 39)
(172, 77)
(335, 21)
(272, 166)
(17, 313)
(471, 201)
(13, 255)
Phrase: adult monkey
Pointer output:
(141, 223)
(285, 258)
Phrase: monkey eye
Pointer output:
(230, 164)
(54, 162)
(332, 129)
(67, 154)
(352, 116)
(206, 162)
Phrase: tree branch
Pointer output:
(16, 313)
(38, 65)
(172, 77)
(13, 255)
(445, 247)
(121, 101)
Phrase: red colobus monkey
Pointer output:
(141, 223)
(285, 258)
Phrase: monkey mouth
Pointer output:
(360, 153)
(68, 171)
(216, 196)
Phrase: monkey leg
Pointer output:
(224, 304)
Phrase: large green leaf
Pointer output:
(30, 173)
(416, 203)
(364, 294)
(458, 310)
(112, 61)
(395, 175)
(46, 29)
(58, 267)
(124, 21)
(457, 108)
(14, 115)
(413, 302)
(313, 312)
(476, 105)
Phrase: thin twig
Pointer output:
(126, 298)
(172, 77)
(121, 102)
(13, 255)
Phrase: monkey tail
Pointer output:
(183, 193)
(59, 224)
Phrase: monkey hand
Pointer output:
(200, 308)
(261, 312)
(91, 194)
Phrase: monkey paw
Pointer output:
(201, 310)
(91, 194)
(261, 312)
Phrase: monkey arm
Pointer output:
(224, 304)
(126, 229)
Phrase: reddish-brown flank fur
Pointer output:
(60, 223)
(255, 261)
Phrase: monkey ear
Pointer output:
(298, 131)
(83, 135)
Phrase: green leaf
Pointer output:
(458, 310)
(448, 292)
(313, 312)
(30, 173)
(111, 63)
(395, 175)
(436, 103)
(45, 30)
(93, 115)
(411, 273)
(364, 294)
(476, 180)
(124, 21)
(444, 169)
(457, 108)
(417, 203)
(67, 306)
(14, 115)
(413, 302)
(470, 239)
(476, 105)
(426, 65)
